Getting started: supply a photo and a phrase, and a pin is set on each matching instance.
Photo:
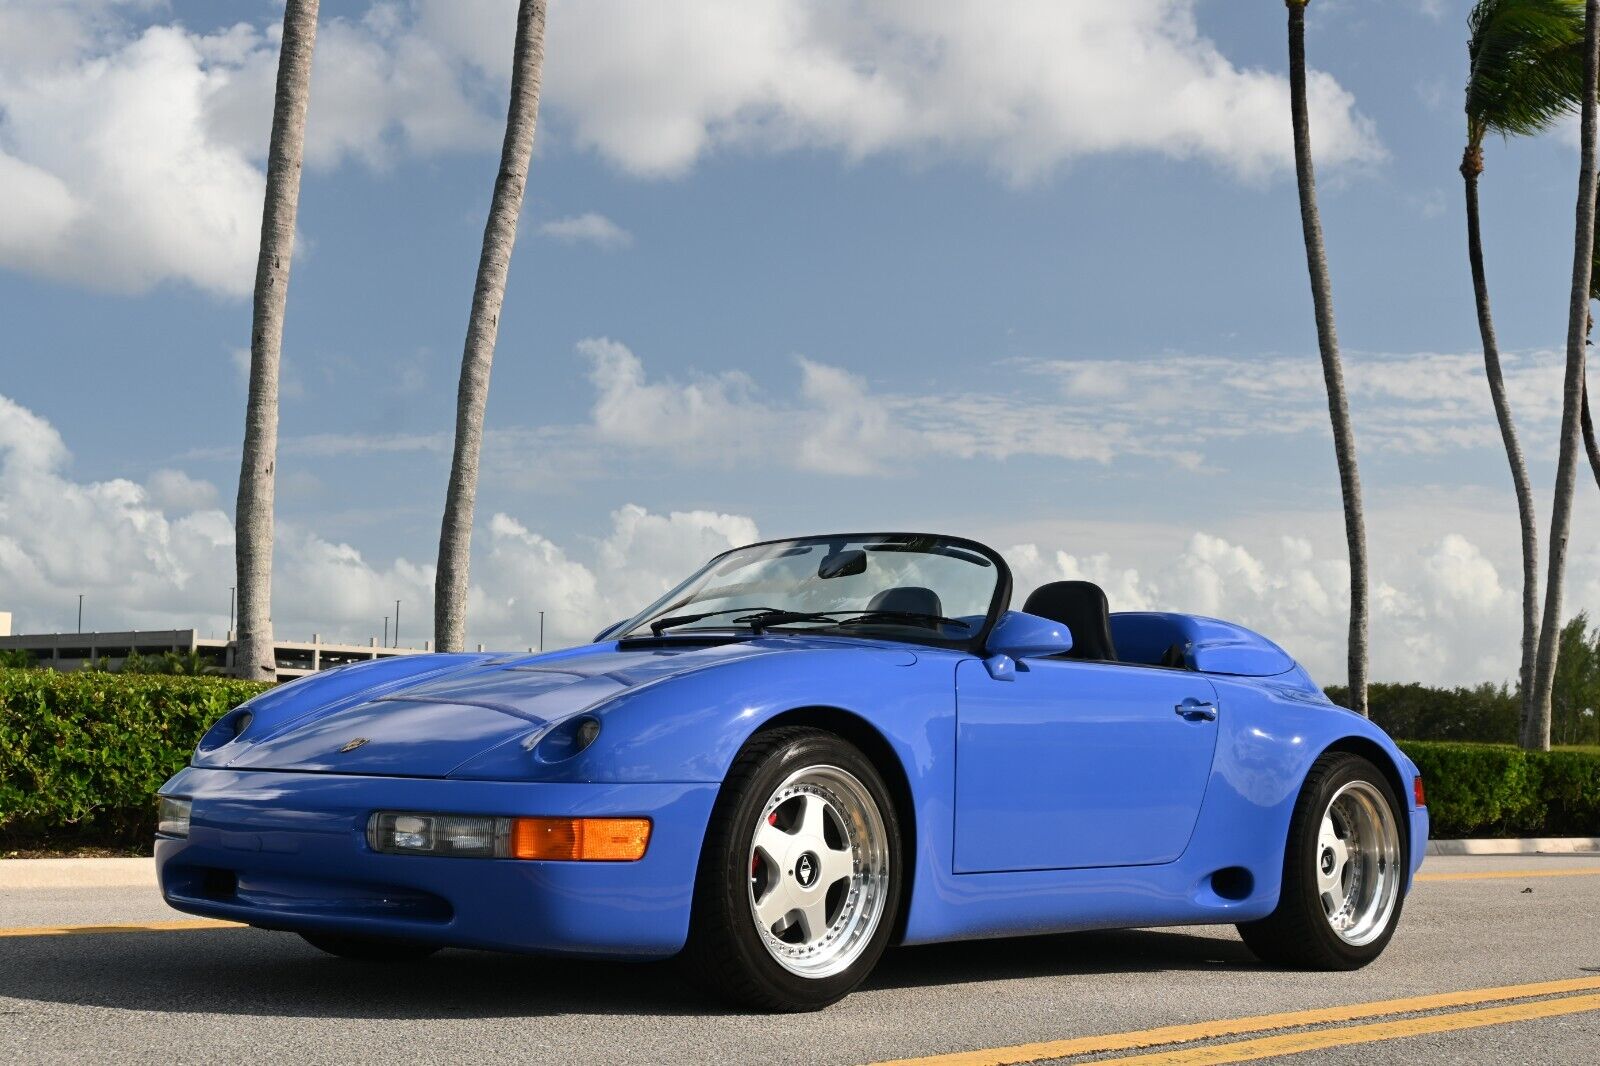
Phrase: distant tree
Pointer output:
(253, 525)
(1525, 70)
(185, 664)
(1536, 733)
(134, 663)
(494, 262)
(16, 658)
(1484, 713)
(1575, 696)
(1344, 443)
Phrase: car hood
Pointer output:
(424, 716)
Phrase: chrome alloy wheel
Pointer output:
(1358, 863)
(819, 871)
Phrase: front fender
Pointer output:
(690, 728)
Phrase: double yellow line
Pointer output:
(1495, 1006)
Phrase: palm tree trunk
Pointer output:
(257, 468)
(499, 235)
(1536, 733)
(1590, 445)
(1471, 168)
(1344, 444)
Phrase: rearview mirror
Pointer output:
(843, 564)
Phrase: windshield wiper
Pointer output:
(684, 619)
(930, 621)
(761, 618)
(764, 619)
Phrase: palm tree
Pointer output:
(1524, 71)
(1590, 445)
(499, 235)
(1536, 733)
(1344, 444)
(253, 518)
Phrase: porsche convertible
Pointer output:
(809, 750)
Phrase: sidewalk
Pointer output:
(76, 873)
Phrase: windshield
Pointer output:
(892, 586)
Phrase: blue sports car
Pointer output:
(810, 749)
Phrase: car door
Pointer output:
(1077, 764)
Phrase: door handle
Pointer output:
(1197, 710)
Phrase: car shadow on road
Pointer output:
(1061, 955)
(256, 973)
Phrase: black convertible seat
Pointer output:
(1080, 606)
(912, 599)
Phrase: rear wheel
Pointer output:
(800, 878)
(369, 948)
(1344, 872)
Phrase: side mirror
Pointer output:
(1027, 636)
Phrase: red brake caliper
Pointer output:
(755, 860)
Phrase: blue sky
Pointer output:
(1030, 273)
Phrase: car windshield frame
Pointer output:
(673, 602)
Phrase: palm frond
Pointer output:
(1526, 65)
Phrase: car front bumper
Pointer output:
(289, 851)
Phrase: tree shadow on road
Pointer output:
(257, 973)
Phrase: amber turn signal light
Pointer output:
(580, 839)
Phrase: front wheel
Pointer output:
(800, 877)
(1344, 869)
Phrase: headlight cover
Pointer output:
(172, 816)
(491, 837)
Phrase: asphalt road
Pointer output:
(212, 994)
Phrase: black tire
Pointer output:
(725, 952)
(1298, 934)
(369, 948)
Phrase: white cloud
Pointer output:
(1444, 601)
(173, 490)
(1439, 612)
(111, 178)
(161, 555)
(1098, 411)
(133, 157)
(588, 228)
(131, 152)
(1020, 87)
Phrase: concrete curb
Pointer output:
(1526, 846)
(76, 873)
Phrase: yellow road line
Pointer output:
(1516, 875)
(1177, 1034)
(1318, 1039)
(129, 927)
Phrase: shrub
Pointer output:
(1496, 790)
(82, 754)
(1487, 713)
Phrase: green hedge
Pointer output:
(1496, 790)
(82, 754)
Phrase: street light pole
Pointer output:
(541, 632)
(385, 631)
(80, 612)
(397, 623)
